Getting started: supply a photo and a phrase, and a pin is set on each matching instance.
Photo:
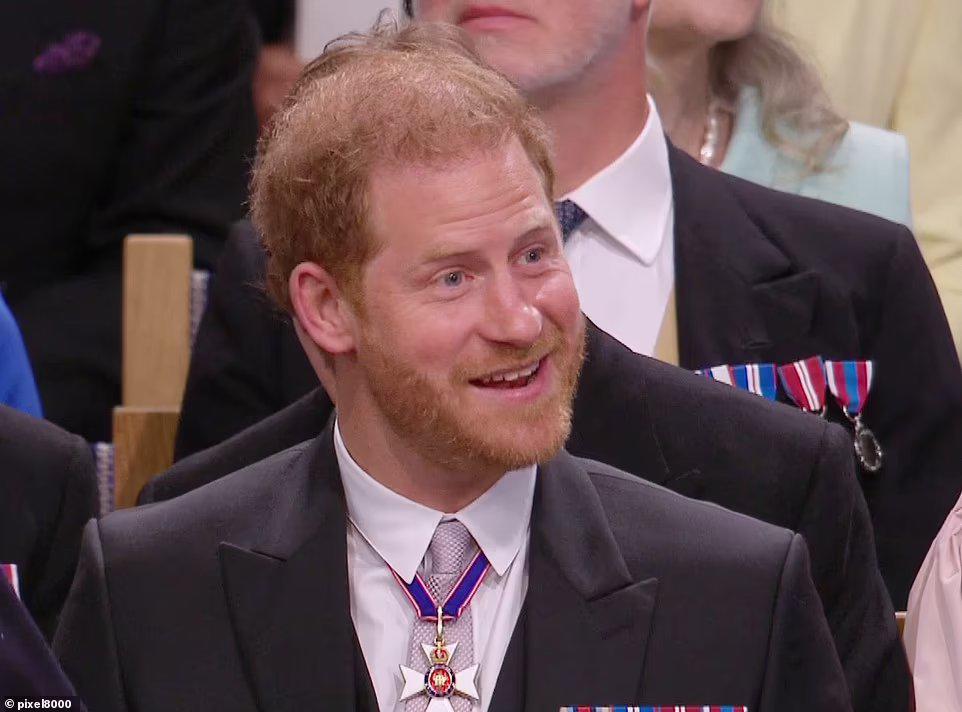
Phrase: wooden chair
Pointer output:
(158, 281)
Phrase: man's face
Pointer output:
(537, 44)
(471, 337)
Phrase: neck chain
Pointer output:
(709, 146)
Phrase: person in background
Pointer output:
(704, 270)
(895, 64)
(735, 94)
(278, 64)
(933, 621)
(48, 492)
(17, 387)
(117, 117)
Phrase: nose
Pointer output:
(511, 315)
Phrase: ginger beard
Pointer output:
(446, 425)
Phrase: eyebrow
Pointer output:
(442, 254)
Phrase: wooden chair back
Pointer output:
(157, 276)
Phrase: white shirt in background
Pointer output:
(622, 255)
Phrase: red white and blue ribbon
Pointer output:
(804, 382)
(660, 708)
(850, 383)
(458, 599)
(9, 572)
(757, 378)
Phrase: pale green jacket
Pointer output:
(868, 170)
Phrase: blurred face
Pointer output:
(471, 333)
(538, 44)
(703, 21)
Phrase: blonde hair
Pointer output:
(797, 116)
(387, 97)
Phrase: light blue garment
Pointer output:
(868, 170)
(17, 387)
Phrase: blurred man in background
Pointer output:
(117, 118)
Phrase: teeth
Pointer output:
(513, 376)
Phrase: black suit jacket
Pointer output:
(48, 491)
(761, 276)
(27, 666)
(235, 597)
(764, 276)
(152, 134)
(275, 19)
(695, 437)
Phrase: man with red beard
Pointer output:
(434, 548)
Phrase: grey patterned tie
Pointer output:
(570, 215)
(452, 548)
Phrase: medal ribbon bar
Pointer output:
(804, 382)
(757, 378)
(850, 383)
(662, 708)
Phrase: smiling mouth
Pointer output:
(487, 12)
(517, 378)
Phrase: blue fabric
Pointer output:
(867, 171)
(17, 387)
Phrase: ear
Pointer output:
(322, 312)
(321, 361)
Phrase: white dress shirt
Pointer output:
(622, 255)
(387, 530)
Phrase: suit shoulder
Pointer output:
(30, 444)
(234, 505)
(664, 534)
(695, 525)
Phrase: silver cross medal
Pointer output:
(440, 682)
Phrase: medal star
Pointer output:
(465, 681)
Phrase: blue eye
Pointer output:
(453, 279)
(533, 255)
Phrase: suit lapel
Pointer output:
(288, 593)
(739, 297)
(586, 619)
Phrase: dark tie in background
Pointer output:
(570, 215)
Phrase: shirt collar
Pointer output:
(400, 530)
(630, 199)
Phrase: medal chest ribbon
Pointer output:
(757, 378)
(804, 382)
(458, 599)
(850, 383)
